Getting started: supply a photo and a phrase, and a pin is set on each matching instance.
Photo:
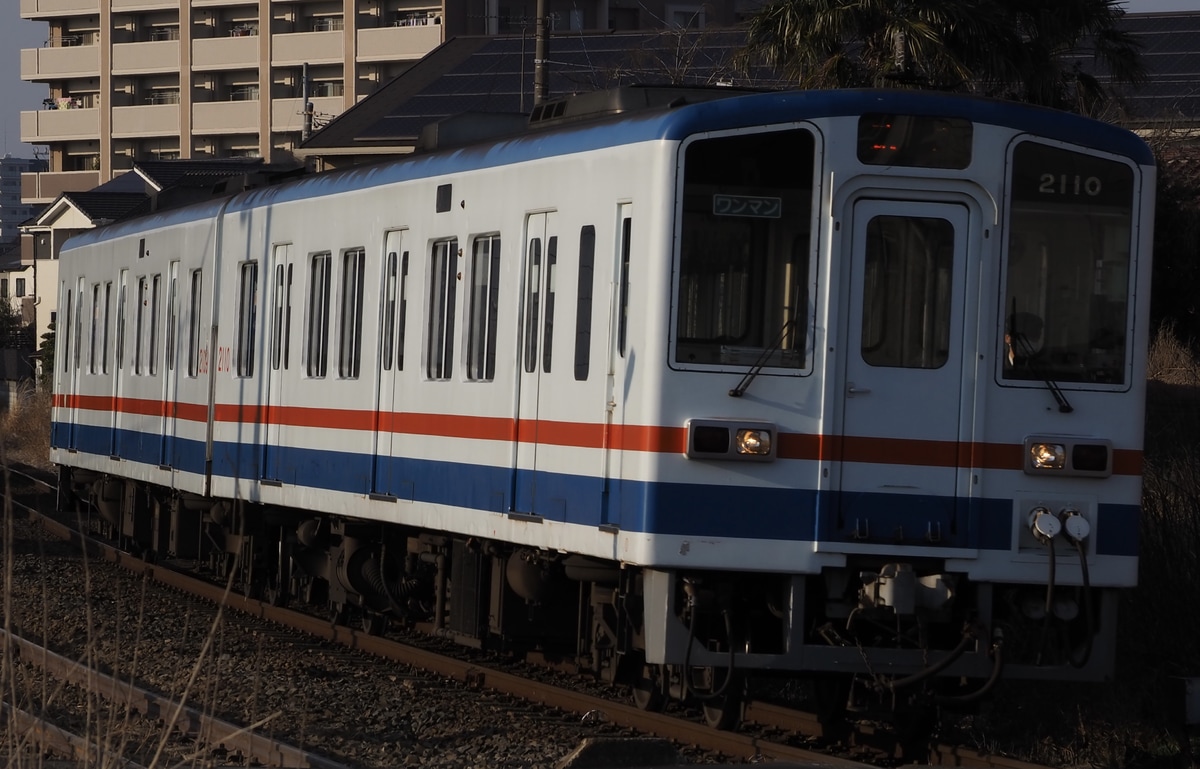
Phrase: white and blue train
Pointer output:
(684, 386)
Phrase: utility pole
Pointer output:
(306, 131)
(541, 50)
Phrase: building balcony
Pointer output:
(55, 125)
(145, 5)
(41, 65)
(411, 41)
(296, 48)
(226, 117)
(225, 53)
(145, 120)
(144, 58)
(288, 114)
(44, 9)
(44, 187)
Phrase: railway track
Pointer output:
(772, 732)
(211, 735)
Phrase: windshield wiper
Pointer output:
(1026, 347)
(762, 359)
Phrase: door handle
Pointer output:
(852, 390)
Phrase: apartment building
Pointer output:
(160, 79)
(14, 211)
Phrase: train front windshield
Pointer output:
(1066, 302)
(744, 263)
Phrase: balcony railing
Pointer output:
(148, 120)
(328, 24)
(307, 47)
(163, 97)
(44, 64)
(45, 126)
(157, 56)
(393, 43)
(244, 93)
(225, 53)
(226, 117)
(46, 8)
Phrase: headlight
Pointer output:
(1048, 456)
(1068, 455)
(743, 440)
(751, 441)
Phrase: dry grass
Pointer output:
(25, 428)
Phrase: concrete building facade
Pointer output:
(14, 211)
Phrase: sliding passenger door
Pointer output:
(392, 314)
(281, 273)
(118, 379)
(70, 374)
(534, 493)
(170, 391)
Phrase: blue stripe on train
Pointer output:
(682, 509)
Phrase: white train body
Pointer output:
(931, 312)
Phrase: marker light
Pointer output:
(753, 441)
(1048, 456)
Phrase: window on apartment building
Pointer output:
(686, 16)
(4, 288)
(20, 286)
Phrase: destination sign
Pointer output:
(748, 206)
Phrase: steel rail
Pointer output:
(205, 728)
(59, 741)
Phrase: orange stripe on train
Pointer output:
(643, 438)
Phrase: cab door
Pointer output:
(904, 373)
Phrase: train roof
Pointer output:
(672, 121)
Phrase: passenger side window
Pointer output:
(439, 360)
(320, 270)
(350, 336)
(194, 335)
(583, 302)
(485, 301)
(247, 319)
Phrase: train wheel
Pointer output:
(373, 623)
(724, 710)
(648, 689)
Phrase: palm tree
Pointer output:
(1030, 50)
